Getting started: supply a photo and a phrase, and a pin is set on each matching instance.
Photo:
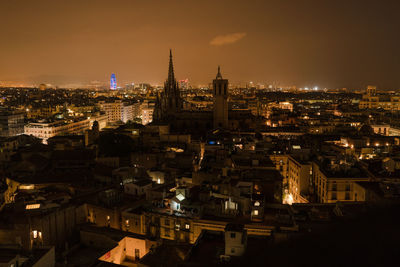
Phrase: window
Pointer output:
(167, 232)
(347, 187)
(35, 233)
(233, 235)
(166, 222)
(180, 197)
(334, 186)
(232, 250)
(347, 196)
(256, 212)
(137, 254)
(187, 226)
(257, 203)
(334, 196)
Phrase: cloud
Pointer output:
(227, 38)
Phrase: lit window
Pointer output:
(180, 197)
(26, 187)
(257, 203)
(32, 206)
(255, 212)
(35, 233)
(167, 232)
(187, 226)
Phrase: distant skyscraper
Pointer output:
(113, 82)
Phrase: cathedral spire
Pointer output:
(219, 76)
(171, 75)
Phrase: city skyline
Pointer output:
(313, 43)
(181, 133)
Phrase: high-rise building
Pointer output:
(113, 82)
(220, 87)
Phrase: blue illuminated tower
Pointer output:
(113, 82)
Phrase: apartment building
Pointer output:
(336, 183)
(45, 130)
(119, 111)
(298, 178)
(373, 100)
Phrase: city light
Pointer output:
(241, 133)
(32, 206)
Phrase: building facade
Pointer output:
(45, 130)
(299, 177)
(118, 110)
(372, 100)
(331, 188)
(11, 123)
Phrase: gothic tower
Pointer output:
(169, 103)
(172, 95)
(220, 87)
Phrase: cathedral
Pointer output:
(170, 103)
(169, 109)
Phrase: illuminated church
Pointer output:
(169, 109)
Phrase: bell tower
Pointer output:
(220, 89)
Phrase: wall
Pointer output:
(47, 260)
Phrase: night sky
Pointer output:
(325, 43)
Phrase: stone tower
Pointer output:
(220, 87)
(169, 103)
